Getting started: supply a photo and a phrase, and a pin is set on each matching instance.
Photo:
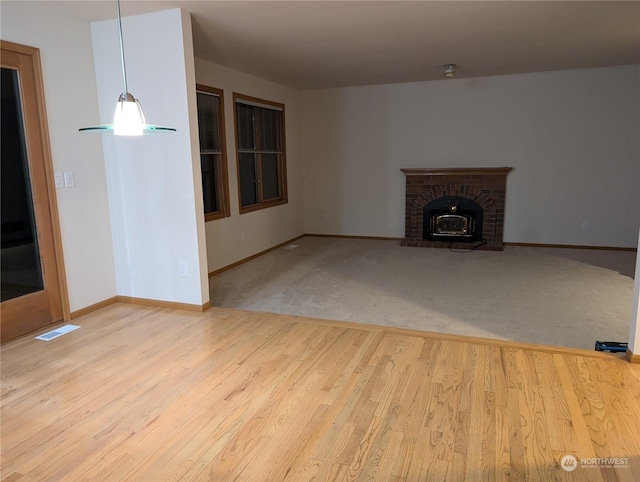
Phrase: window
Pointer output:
(260, 144)
(213, 158)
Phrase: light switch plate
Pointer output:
(68, 179)
(59, 180)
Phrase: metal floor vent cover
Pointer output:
(50, 335)
(291, 246)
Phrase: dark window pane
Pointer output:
(269, 129)
(247, 165)
(270, 176)
(208, 121)
(246, 138)
(210, 174)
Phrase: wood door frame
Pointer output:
(39, 153)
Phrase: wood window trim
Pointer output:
(223, 182)
(283, 199)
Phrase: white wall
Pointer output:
(71, 102)
(571, 137)
(240, 236)
(634, 327)
(154, 181)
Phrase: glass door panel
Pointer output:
(21, 270)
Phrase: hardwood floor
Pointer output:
(152, 394)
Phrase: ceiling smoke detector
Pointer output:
(449, 71)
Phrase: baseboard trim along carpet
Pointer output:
(530, 245)
(347, 236)
(253, 256)
(569, 246)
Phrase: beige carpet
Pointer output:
(563, 297)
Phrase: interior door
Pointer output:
(30, 282)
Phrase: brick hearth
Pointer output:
(485, 186)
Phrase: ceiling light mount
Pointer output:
(449, 71)
(128, 119)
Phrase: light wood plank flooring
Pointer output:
(153, 394)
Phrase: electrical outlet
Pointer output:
(326, 217)
(182, 268)
(585, 224)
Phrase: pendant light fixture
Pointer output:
(128, 119)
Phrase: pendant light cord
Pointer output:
(128, 119)
(124, 71)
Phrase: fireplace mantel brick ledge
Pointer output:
(484, 185)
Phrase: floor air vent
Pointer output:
(50, 335)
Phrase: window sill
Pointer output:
(263, 205)
(215, 215)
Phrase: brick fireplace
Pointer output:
(483, 188)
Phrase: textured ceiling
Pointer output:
(317, 44)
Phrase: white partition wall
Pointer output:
(155, 193)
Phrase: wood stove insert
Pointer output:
(453, 207)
